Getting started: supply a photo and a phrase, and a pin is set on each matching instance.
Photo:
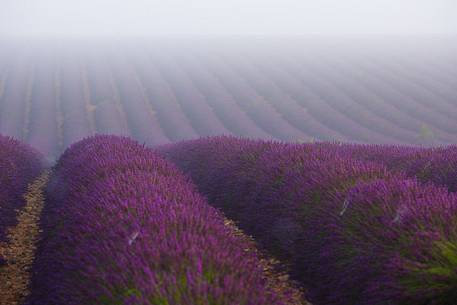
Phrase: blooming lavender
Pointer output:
(355, 230)
(19, 165)
(435, 164)
(123, 226)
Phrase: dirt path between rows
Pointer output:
(18, 251)
(277, 279)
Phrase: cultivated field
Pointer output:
(400, 91)
(260, 172)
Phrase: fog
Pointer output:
(379, 71)
(65, 18)
(294, 72)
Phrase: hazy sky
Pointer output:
(141, 17)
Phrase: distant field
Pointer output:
(396, 91)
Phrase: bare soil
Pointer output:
(17, 253)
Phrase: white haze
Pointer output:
(68, 18)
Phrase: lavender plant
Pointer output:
(19, 165)
(353, 231)
(123, 226)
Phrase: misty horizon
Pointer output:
(383, 89)
(379, 71)
(94, 18)
(255, 152)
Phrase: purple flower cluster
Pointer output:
(124, 226)
(353, 231)
(19, 165)
(437, 164)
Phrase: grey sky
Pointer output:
(141, 17)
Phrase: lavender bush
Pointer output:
(353, 231)
(19, 165)
(437, 164)
(123, 226)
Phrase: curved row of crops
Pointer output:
(437, 165)
(123, 226)
(159, 93)
(354, 232)
(19, 165)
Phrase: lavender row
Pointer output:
(437, 164)
(19, 165)
(353, 231)
(76, 123)
(123, 226)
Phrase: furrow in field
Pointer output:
(428, 77)
(263, 114)
(108, 118)
(403, 104)
(223, 103)
(419, 93)
(373, 108)
(200, 113)
(309, 74)
(283, 102)
(75, 121)
(19, 249)
(316, 105)
(394, 94)
(12, 116)
(42, 119)
(142, 121)
(173, 121)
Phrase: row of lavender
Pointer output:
(123, 226)
(436, 164)
(19, 165)
(353, 231)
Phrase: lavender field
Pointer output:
(228, 220)
(235, 171)
(228, 152)
(392, 91)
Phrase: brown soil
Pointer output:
(18, 251)
(277, 280)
